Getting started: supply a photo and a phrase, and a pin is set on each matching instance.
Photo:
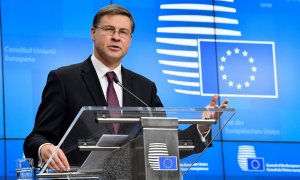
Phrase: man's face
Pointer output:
(112, 38)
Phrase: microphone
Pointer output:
(116, 80)
(138, 129)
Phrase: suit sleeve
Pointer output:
(49, 119)
(191, 133)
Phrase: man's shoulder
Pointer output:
(135, 76)
(68, 68)
(73, 68)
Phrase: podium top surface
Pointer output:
(174, 112)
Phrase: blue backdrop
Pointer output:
(246, 51)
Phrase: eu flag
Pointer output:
(237, 68)
(255, 164)
(168, 163)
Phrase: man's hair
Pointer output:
(113, 10)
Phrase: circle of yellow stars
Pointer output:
(230, 82)
(169, 161)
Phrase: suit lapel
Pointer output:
(128, 99)
(93, 85)
(127, 80)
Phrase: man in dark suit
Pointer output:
(85, 84)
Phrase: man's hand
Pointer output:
(212, 114)
(59, 162)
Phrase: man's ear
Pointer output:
(93, 31)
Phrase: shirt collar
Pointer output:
(101, 69)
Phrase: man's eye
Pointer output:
(109, 29)
(124, 32)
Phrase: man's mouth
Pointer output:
(114, 47)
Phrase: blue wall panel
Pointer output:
(2, 162)
(261, 160)
(39, 36)
(14, 151)
(36, 39)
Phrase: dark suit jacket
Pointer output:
(71, 87)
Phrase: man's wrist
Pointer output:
(40, 162)
(203, 133)
(203, 129)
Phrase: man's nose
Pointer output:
(116, 35)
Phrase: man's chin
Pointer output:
(116, 57)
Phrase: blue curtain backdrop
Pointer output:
(246, 51)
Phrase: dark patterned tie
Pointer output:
(112, 99)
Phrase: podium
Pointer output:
(148, 146)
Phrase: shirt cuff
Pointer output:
(40, 162)
(203, 135)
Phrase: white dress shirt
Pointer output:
(101, 70)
